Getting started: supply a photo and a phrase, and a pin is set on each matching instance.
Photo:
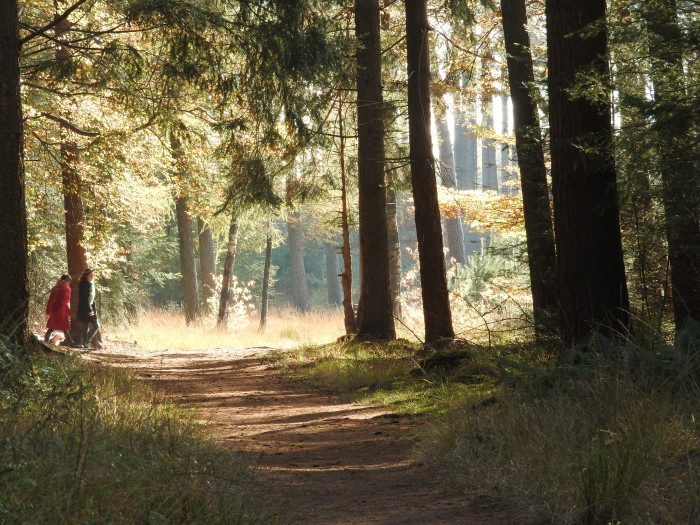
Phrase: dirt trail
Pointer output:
(327, 461)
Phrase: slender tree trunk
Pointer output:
(505, 179)
(14, 301)
(375, 318)
(334, 293)
(264, 301)
(436, 302)
(679, 170)
(453, 225)
(488, 159)
(295, 239)
(207, 264)
(346, 273)
(591, 285)
(228, 273)
(394, 251)
(533, 173)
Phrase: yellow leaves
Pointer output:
(484, 210)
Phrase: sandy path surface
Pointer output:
(327, 461)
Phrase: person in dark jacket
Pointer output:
(58, 310)
(86, 307)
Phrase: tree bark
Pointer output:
(14, 301)
(228, 273)
(679, 170)
(375, 318)
(188, 267)
(533, 173)
(207, 264)
(453, 225)
(465, 145)
(295, 240)
(264, 300)
(436, 303)
(506, 176)
(591, 285)
(332, 272)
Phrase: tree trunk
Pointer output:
(346, 274)
(488, 160)
(295, 239)
(375, 318)
(506, 176)
(679, 169)
(591, 285)
(436, 303)
(264, 300)
(207, 264)
(453, 225)
(228, 273)
(533, 173)
(14, 301)
(334, 293)
(187, 262)
(465, 146)
(394, 252)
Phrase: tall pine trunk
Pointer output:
(533, 173)
(505, 178)
(207, 264)
(265, 296)
(346, 274)
(295, 241)
(436, 302)
(227, 275)
(489, 172)
(679, 168)
(591, 285)
(375, 318)
(14, 300)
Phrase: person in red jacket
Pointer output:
(58, 310)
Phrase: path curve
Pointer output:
(328, 461)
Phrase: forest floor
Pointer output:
(325, 460)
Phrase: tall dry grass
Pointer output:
(158, 329)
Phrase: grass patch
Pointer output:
(610, 439)
(81, 444)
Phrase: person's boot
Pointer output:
(47, 335)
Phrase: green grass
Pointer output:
(85, 445)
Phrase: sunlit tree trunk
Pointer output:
(375, 318)
(533, 173)
(346, 273)
(14, 300)
(394, 251)
(207, 263)
(488, 158)
(505, 179)
(591, 285)
(295, 241)
(436, 304)
(332, 272)
(679, 167)
(227, 275)
(265, 297)
(453, 225)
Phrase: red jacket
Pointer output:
(58, 308)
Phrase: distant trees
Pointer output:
(14, 301)
(591, 285)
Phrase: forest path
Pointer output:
(327, 461)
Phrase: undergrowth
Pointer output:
(80, 444)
